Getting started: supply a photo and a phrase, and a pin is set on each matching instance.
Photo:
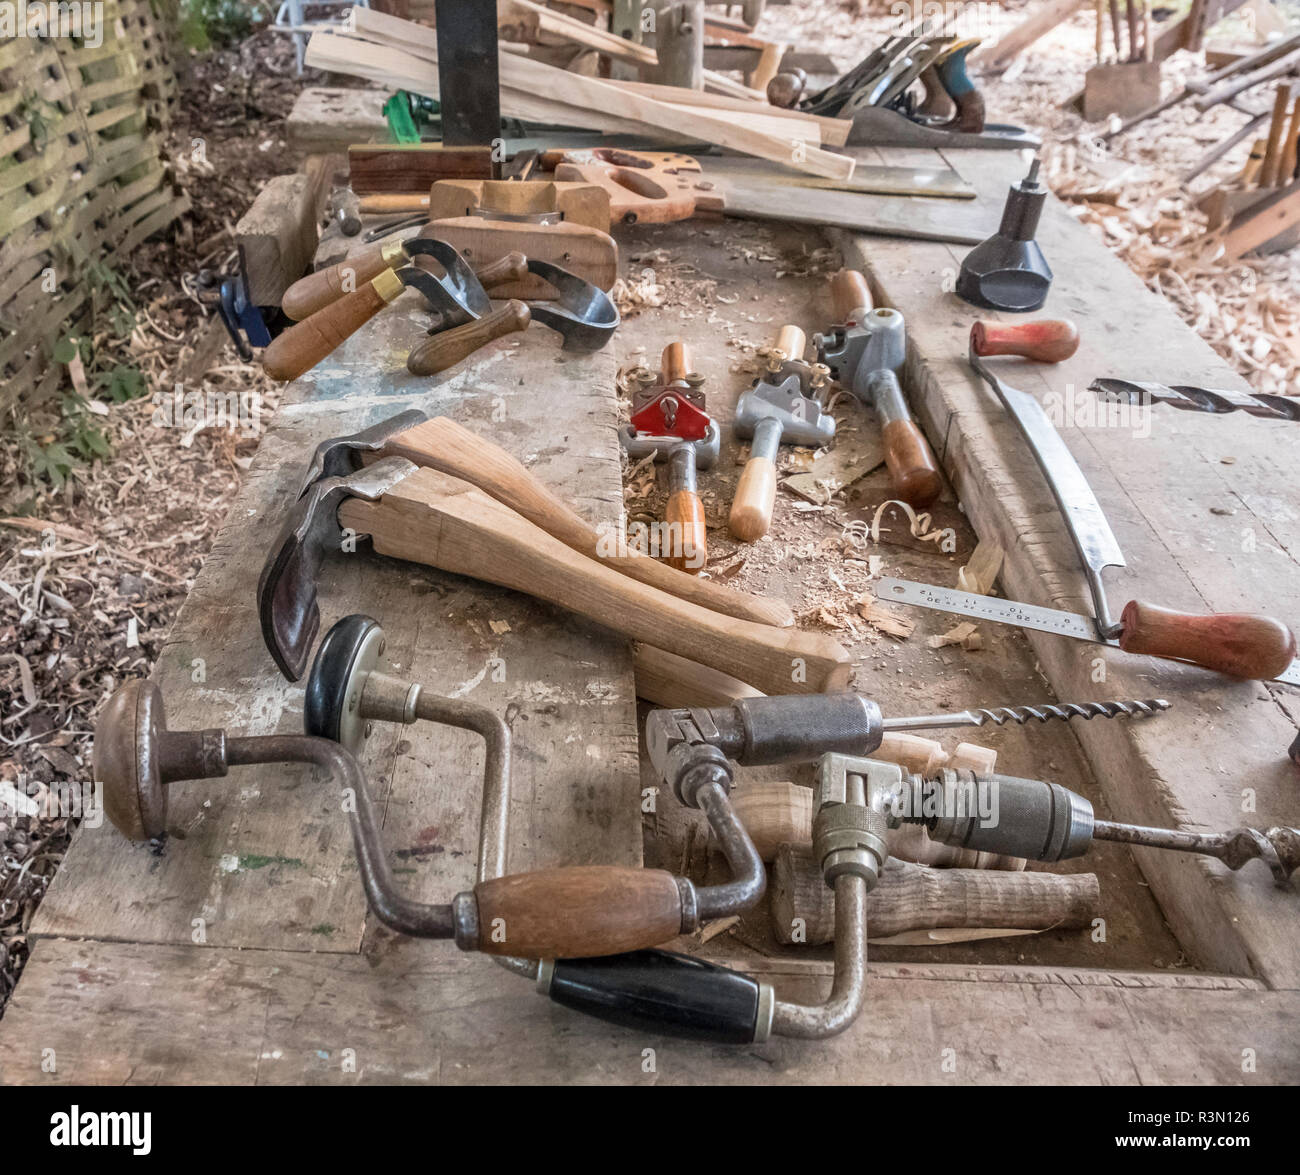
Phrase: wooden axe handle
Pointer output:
(448, 347)
(446, 523)
(445, 445)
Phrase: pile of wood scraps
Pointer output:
(402, 54)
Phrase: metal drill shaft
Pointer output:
(1278, 848)
(1000, 716)
(1196, 399)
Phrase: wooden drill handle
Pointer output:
(912, 466)
(301, 347)
(317, 290)
(684, 515)
(394, 202)
(509, 267)
(1050, 340)
(443, 444)
(442, 522)
(447, 348)
(1256, 648)
(577, 911)
(751, 508)
(849, 292)
(675, 363)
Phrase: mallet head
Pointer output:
(286, 590)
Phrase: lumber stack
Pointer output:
(403, 55)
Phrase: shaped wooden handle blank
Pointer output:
(447, 348)
(1257, 648)
(443, 444)
(685, 517)
(849, 292)
(751, 508)
(577, 912)
(301, 347)
(1050, 340)
(912, 466)
(317, 290)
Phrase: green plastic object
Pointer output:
(408, 114)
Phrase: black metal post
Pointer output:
(469, 86)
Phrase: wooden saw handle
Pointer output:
(577, 911)
(442, 522)
(1050, 340)
(684, 515)
(317, 290)
(751, 508)
(849, 292)
(912, 466)
(301, 347)
(443, 444)
(447, 348)
(1256, 648)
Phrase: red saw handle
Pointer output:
(1256, 648)
(1050, 340)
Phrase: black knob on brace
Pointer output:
(663, 992)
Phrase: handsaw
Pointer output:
(1238, 644)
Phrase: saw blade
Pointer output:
(1071, 624)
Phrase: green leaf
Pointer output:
(65, 350)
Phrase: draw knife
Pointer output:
(1238, 644)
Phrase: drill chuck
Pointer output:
(991, 813)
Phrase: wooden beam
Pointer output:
(1006, 49)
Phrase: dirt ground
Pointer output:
(91, 574)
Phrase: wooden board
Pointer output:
(180, 1015)
(266, 858)
(324, 119)
(1224, 743)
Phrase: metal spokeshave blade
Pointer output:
(1090, 532)
(977, 607)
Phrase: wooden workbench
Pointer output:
(250, 933)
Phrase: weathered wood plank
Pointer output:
(188, 1015)
(266, 859)
(1222, 747)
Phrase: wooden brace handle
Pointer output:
(751, 508)
(849, 292)
(443, 444)
(1256, 648)
(447, 348)
(1050, 340)
(912, 466)
(577, 912)
(684, 515)
(317, 290)
(442, 522)
(301, 347)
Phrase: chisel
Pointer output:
(1238, 644)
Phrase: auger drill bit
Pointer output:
(1194, 399)
(1278, 847)
(1062, 711)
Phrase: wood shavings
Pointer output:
(499, 627)
(979, 574)
(884, 620)
(855, 455)
(964, 634)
